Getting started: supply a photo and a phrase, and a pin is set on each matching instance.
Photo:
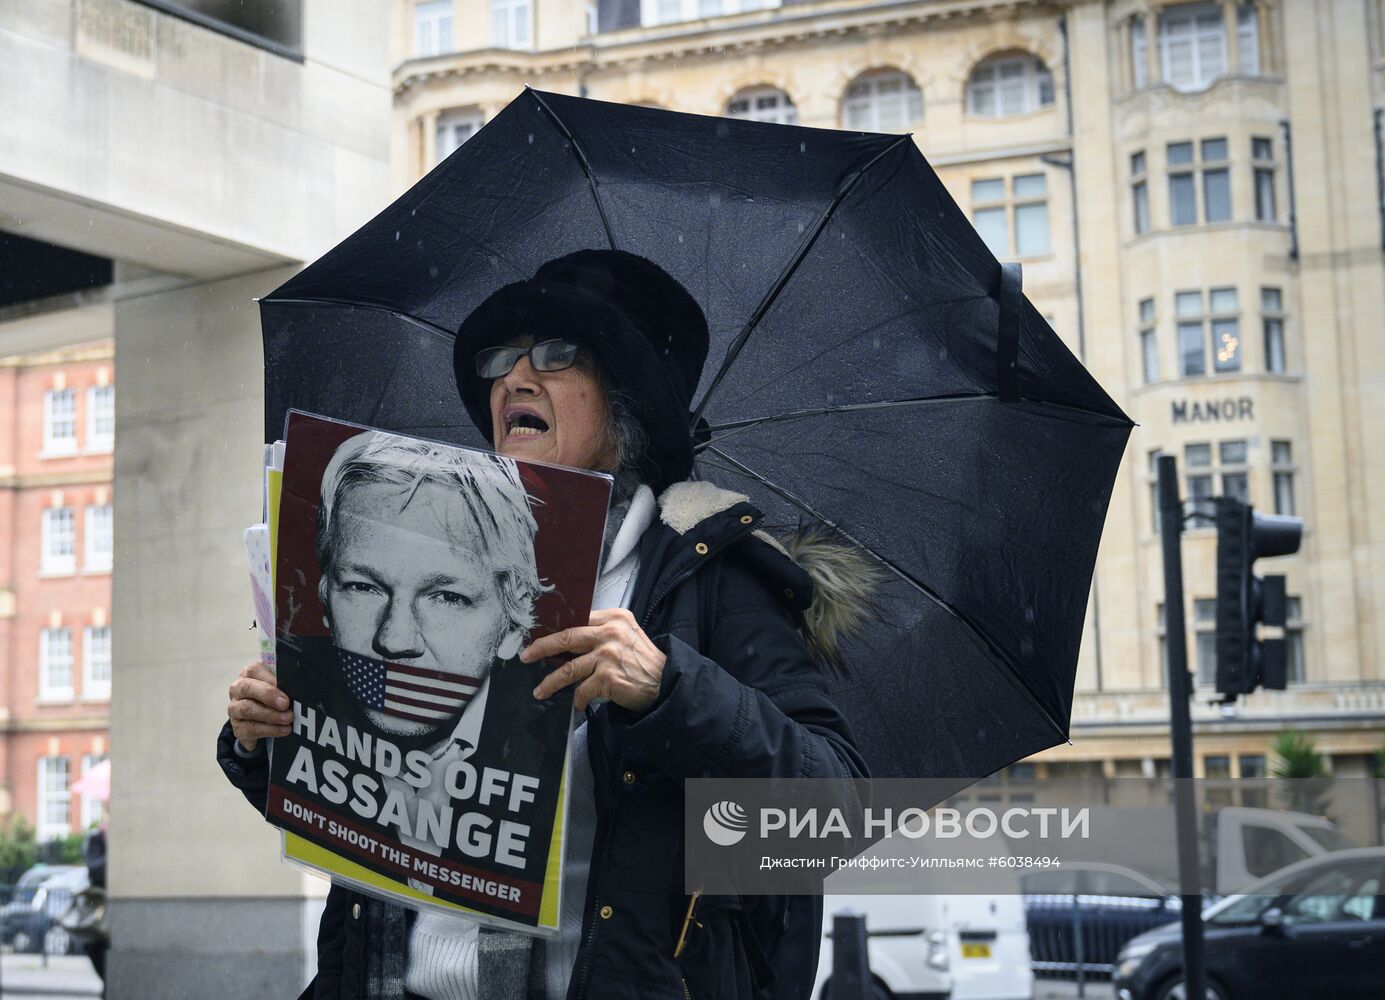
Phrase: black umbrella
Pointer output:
(872, 368)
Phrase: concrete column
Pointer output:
(201, 905)
(429, 123)
(1230, 31)
(1153, 63)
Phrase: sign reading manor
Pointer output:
(1212, 411)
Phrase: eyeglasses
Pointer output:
(548, 356)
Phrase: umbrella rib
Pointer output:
(736, 426)
(991, 645)
(788, 271)
(582, 159)
(366, 304)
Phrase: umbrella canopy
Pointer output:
(96, 782)
(872, 368)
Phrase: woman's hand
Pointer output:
(258, 708)
(612, 658)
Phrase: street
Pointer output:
(1060, 989)
(65, 977)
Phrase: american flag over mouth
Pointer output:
(414, 693)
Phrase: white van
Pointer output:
(937, 947)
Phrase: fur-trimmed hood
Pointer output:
(843, 577)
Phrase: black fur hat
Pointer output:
(648, 334)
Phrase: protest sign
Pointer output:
(409, 574)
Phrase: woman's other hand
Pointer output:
(258, 708)
(612, 658)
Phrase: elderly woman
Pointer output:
(706, 658)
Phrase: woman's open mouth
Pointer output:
(524, 423)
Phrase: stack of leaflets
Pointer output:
(395, 581)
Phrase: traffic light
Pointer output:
(1245, 661)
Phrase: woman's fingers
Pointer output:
(572, 672)
(581, 639)
(257, 708)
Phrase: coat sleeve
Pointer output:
(248, 773)
(753, 704)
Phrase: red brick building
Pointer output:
(57, 432)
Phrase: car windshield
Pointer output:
(1329, 837)
(1321, 892)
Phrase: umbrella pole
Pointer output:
(1180, 723)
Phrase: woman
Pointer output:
(694, 666)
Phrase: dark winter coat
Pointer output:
(745, 700)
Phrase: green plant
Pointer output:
(1378, 762)
(1304, 780)
(18, 850)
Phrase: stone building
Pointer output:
(57, 423)
(1192, 188)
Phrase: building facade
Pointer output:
(57, 431)
(1193, 190)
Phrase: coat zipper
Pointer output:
(586, 948)
(678, 580)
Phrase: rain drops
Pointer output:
(396, 236)
(803, 147)
(432, 270)
(531, 138)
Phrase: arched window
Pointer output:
(1011, 83)
(763, 104)
(882, 101)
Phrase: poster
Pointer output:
(409, 574)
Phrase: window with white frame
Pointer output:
(93, 809)
(100, 417)
(54, 798)
(59, 421)
(1139, 191)
(1187, 162)
(58, 541)
(1272, 325)
(1154, 456)
(1205, 633)
(1009, 84)
(1235, 480)
(1293, 640)
(1012, 217)
(882, 101)
(1282, 470)
(99, 543)
(1196, 316)
(96, 661)
(1201, 486)
(432, 27)
(1264, 167)
(456, 127)
(1192, 44)
(1149, 344)
(55, 663)
(512, 24)
(763, 104)
(656, 12)
(593, 19)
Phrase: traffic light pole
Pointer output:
(1180, 721)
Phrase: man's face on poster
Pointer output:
(408, 585)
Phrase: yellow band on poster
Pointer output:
(306, 852)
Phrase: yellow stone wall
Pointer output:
(1321, 70)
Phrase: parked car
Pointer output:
(21, 898)
(28, 924)
(1312, 931)
(1101, 905)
